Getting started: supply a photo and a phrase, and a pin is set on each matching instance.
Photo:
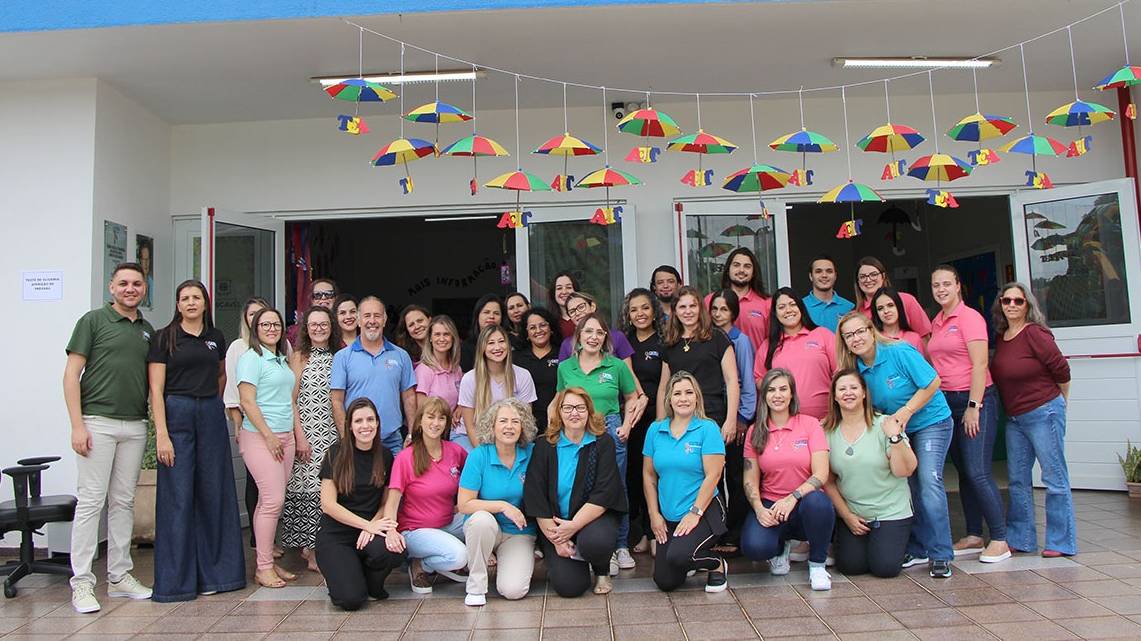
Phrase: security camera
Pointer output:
(618, 109)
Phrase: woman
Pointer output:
(268, 437)
(539, 358)
(610, 384)
(1033, 380)
(321, 292)
(642, 321)
(345, 307)
(352, 549)
(684, 456)
(421, 498)
(491, 494)
(796, 344)
(871, 275)
(493, 378)
(905, 387)
(198, 539)
(869, 461)
(517, 306)
(958, 348)
(786, 462)
(562, 286)
(311, 363)
(890, 319)
(489, 311)
(438, 373)
(412, 331)
(579, 306)
(574, 491)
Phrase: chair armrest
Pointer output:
(38, 460)
(23, 471)
(21, 475)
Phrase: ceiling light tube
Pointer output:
(916, 62)
(407, 78)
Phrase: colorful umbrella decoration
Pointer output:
(518, 181)
(1035, 145)
(360, 90)
(979, 126)
(700, 143)
(713, 250)
(1032, 144)
(758, 177)
(401, 152)
(890, 138)
(1080, 113)
(1125, 77)
(695, 233)
(566, 146)
(805, 142)
(938, 167)
(647, 122)
(850, 192)
(437, 112)
(607, 177)
(738, 231)
(474, 146)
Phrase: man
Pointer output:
(824, 305)
(322, 293)
(742, 274)
(105, 389)
(379, 370)
(664, 283)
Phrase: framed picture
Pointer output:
(145, 256)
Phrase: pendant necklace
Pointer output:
(780, 442)
(851, 446)
(685, 348)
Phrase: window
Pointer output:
(710, 237)
(1077, 262)
(593, 253)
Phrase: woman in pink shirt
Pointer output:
(890, 318)
(958, 351)
(795, 343)
(439, 373)
(421, 498)
(786, 463)
(871, 275)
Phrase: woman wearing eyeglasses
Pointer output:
(906, 388)
(579, 306)
(540, 357)
(1033, 380)
(872, 275)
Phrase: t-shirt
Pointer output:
(827, 314)
(524, 391)
(1028, 369)
(916, 315)
(381, 378)
(274, 381)
(897, 373)
(193, 368)
(786, 462)
(365, 499)
(678, 462)
(486, 475)
(114, 380)
(607, 384)
(703, 360)
(429, 500)
(743, 352)
(618, 340)
(754, 316)
(863, 475)
(567, 452)
(811, 357)
(544, 372)
(647, 364)
(947, 347)
(433, 382)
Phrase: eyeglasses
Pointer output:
(578, 309)
(269, 325)
(323, 295)
(869, 276)
(573, 409)
(1017, 302)
(854, 333)
(538, 327)
(319, 325)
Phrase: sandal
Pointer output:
(642, 546)
(279, 583)
(284, 574)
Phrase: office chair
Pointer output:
(26, 514)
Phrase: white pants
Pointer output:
(514, 553)
(108, 474)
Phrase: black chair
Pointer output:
(26, 514)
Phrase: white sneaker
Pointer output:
(778, 565)
(798, 554)
(819, 578)
(129, 587)
(475, 600)
(625, 561)
(614, 567)
(83, 599)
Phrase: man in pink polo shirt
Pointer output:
(742, 273)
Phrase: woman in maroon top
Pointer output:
(1033, 380)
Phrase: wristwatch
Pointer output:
(796, 494)
(974, 404)
(898, 438)
(693, 509)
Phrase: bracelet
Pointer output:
(815, 482)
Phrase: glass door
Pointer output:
(705, 233)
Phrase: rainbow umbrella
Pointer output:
(738, 231)
(701, 143)
(938, 167)
(401, 152)
(649, 122)
(518, 181)
(360, 90)
(566, 146)
(806, 142)
(607, 177)
(757, 178)
(1080, 113)
(851, 192)
(1126, 76)
(436, 113)
(890, 138)
(713, 250)
(978, 127)
(474, 146)
(1035, 145)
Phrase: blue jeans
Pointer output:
(613, 422)
(973, 458)
(394, 442)
(1040, 433)
(931, 530)
(463, 441)
(438, 548)
(811, 520)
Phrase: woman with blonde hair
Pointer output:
(438, 373)
(493, 378)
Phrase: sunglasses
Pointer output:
(324, 295)
(1017, 302)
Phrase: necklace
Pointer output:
(685, 348)
(784, 433)
(850, 451)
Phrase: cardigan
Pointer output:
(540, 487)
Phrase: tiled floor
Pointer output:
(1096, 595)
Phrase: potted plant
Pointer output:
(1131, 466)
(144, 531)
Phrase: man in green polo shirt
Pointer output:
(105, 388)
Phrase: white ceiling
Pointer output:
(240, 71)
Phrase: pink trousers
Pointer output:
(271, 477)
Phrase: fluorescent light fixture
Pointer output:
(407, 78)
(915, 62)
(459, 218)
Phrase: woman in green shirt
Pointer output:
(870, 460)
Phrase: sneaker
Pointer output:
(819, 578)
(129, 587)
(208, 593)
(778, 565)
(418, 579)
(941, 569)
(799, 553)
(966, 546)
(718, 580)
(83, 599)
(603, 585)
(475, 600)
(459, 576)
(625, 561)
(909, 561)
(614, 567)
(997, 558)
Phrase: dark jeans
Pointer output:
(880, 551)
(973, 458)
(811, 520)
(354, 575)
(198, 535)
(595, 542)
(694, 551)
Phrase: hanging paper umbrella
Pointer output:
(738, 231)
(1034, 216)
(1035, 145)
(518, 181)
(474, 145)
(805, 142)
(757, 178)
(436, 113)
(649, 122)
(695, 233)
(1080, 113)
(700, 143)
(890, 138)
(360, 90)
(978, 127)
(851, 192)
(1127, 76)
(939, 167)
(566, 146)
(401, 152)
(1048, 224)
(713, 250)
(607, 177)
(1053, 240)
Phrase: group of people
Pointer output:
(702, 427)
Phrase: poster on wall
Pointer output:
(114, 252)
(145, 256)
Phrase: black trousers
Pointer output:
(596, 544)
(733, 484)
(251, 502)
(638, 525)
(354, 575)
(694, 551)
(880, 551)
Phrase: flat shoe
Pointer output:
(1053, 554)
(994, 559)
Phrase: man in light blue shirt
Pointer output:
(825, 306)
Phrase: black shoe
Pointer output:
(717, 581)
(941, 569)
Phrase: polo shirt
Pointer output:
(811, 357)
(947, 346)
(786, 462)
(544, 373)
(743, 351)
(434, 382)
(380, 378)
(754, 316)
(274, 381)
(193, 368)
(909, 337)
(428, 500)
(618, 340)
(864, 476)
(607, 384)
(678, 462)
(916, 315)
(567, 452)
(827, 314)
(114, 379)
(491, 480)
(703, 360)
(897, 373)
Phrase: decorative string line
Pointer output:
(739, 94)
(847, 141)
(975, 81)
(753, 124)
(605, 136)
(401, 93)
(473, 100)
(934, 123)
(1124, 37)
(518, 152)
(887, 102)
(566, 122)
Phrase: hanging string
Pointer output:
(402, 92)
(699, 112)
(566, 125)
(437, 77)
(975, 79)
(1124, 37)
(1073, 62)
(1026, 89)
(753, 124)
(647, 100)
(887, 101)
(800, 95)
(605, 131)
(473, 100)
(847, 141)
(360, 54)
(518, 153)
(934, 123)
